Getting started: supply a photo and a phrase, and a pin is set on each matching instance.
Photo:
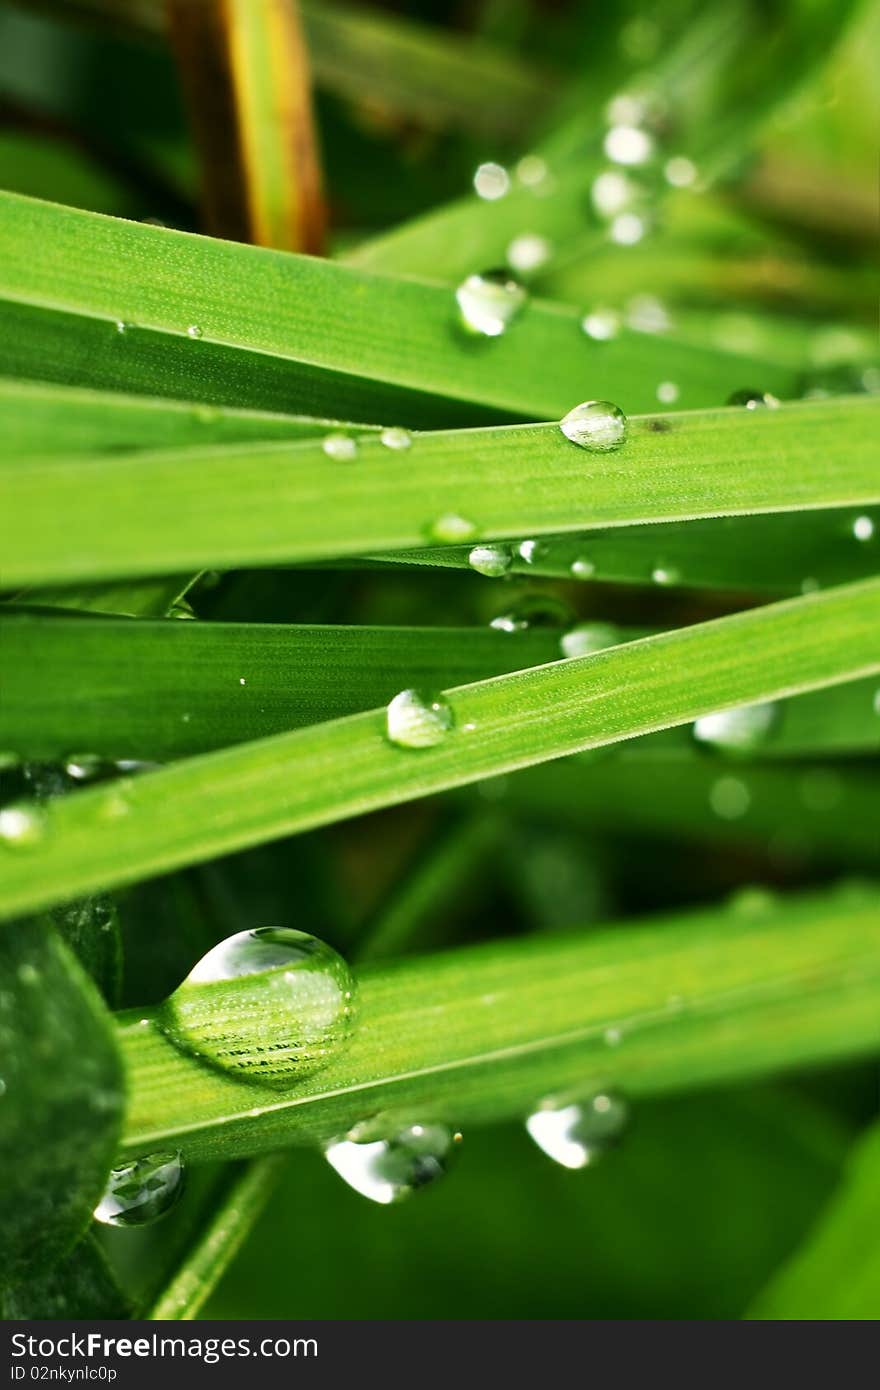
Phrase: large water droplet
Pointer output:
(491, 560)
(416, 719)
(22, 826)
(489, 303)
(586, 638)
(737, 730)
(390, 1170)
(140, 1192)
(269, 1004)
(596, 425)
(578, 1135)
(531, 611)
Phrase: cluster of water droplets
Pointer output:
(391, 1168)
(579, 1134)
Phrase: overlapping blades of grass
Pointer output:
(207, 806)
(176, 510)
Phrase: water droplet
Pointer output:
(121, 326)
(625, 108)
(339, 447)
(586, 638)
(390, 1170)
(528, 252)
(729, 798)
(613, 192)
(416, 719)
(613, 1037)
(601, 324)
(22, 826)
(582, 569)
(680, 172)
(452, 529)
(182, 611)
(628, 144)
(645, 313)
(140, 1192)
(395, 438)
(532, 551)
(531, 170)
(578, 1135)
(596, 425)
(665, 574)
(533, 610)
(83, 767)
(627, 229)
(863, 528)
(491, 560)
(242, 680)
(491, 181)
(667, 392)
(737, 730)
(269, 1004)
(488, 303)
(753, 400)
(194, 331)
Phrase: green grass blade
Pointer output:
(224, 801)
(217, 1245)
(162, 690)
(823, 813)
(835, 1275)
(291, 333)
(776, 553)
(145, 598)
(45, 418)
(261, 504)
(484, 1033)
(60, 1120)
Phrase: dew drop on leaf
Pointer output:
(491, 560)
(531, 611)
(418, 719)
(269, 1005)
(394, 437)
(22, 826)
(390, 1170)
(452, 529)
(138, 1193)
(491, 181)
(863, 528)
(489, 303)
(753, 400)
(340, 447)
(738, 730)
(528, 252)
(598, 426)
(194, 331)
(578, 1135)
(601, 324)
(586, 638)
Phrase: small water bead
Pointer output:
(269, 1004)
(729, 798)
(532, 552)
(138, 1193)
(665, 575)
(680, 172)
(753, 400)
(340, 447)
(194, 331)
(22, 826)
(601, 325)
(628, 144)
(586, 638)
(182, 611)
(491, 560)
(489, 302)
(612, 1037)
(418, 719)
(738, 730)
(582, 569)
(84, 767)
(628, 229)
(531, 170)
(599, 426)
(491, 181)
(645, 313)
(863, 528)
(452, 529)
(390, 1170)
(531, 611)
(578, 1135)
(528, 252)
(667, 392)
(394, 437)
(613, 192)
(121, 326)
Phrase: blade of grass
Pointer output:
(835, 1274)
(146, 598)
(244, 69)
(242, 796)
(270, 330)
(162, 690)
(754, 554)
(823, 812)
(483, 1033)
(260, 504)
